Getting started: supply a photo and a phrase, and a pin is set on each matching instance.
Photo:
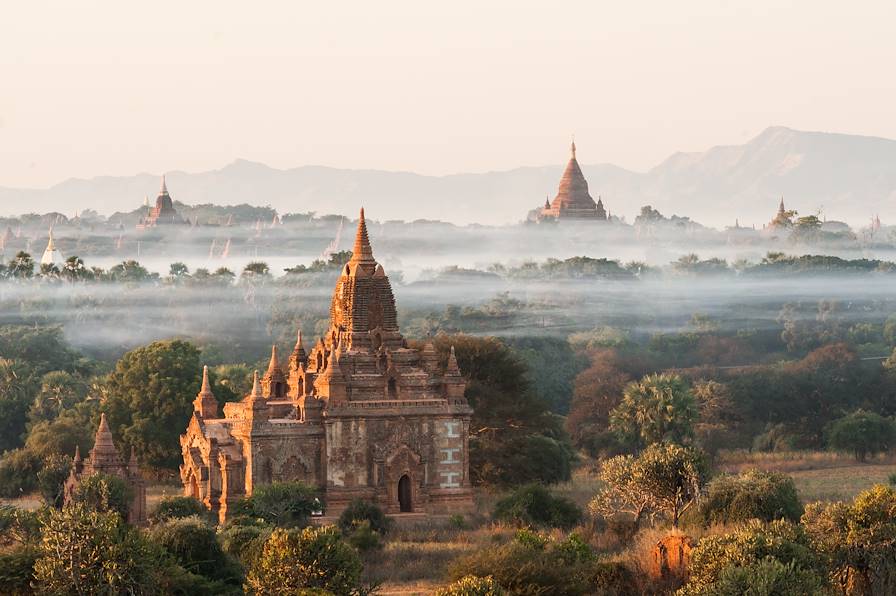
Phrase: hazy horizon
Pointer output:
(107, 90)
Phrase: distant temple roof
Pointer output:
(163, 213)
(573, 201)
(52, 256)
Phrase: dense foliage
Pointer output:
(534, 505)
(755, 494)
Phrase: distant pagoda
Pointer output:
(573, 200)
(51, 255)
(163, 213)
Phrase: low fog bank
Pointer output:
(239, 322)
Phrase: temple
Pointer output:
(573, 201)
(51, 255)
(163, 213)
(105, 459)
(360, 416)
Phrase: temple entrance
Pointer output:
(194, 487)
(405, 503)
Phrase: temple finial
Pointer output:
(275, 362)
(362, 253)
(572, 147)
(164, 189)
(299, 345)
(256, 387)
(206, 386)
(453, 369)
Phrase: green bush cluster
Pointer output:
(755, 494)
(534, 505)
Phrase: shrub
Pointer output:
(104, 493)
(534, 505)
(176, 508)
(18, 473)
(755, 494)
(244, 539)
(195, 547)
(471, 585)
(359, 511)
(534, 564)
(767, 577)
(363, 537)
(745, 547)
(862, 434)
(18, 526)
(283, 504)
(858, 539)
(51, 479)
(84, 551)
(293, 560)
(17, 571)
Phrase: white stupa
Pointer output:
(52, 256)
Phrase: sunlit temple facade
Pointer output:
(361, 415)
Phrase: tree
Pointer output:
(716, 560)
(283, 504)
(59, 390)
(150, 399)
(74, 270)
(178, 271)
(665, 479)
(195, 547)
(755, 494)
(85, 552)
(657, 408)
(509, 418)
(257, 271)
(534, 505)
(104, 493)
(359, 511)
(862, 434)
(22, 266)
(293, 560)
(858, 540)
(177, 508)
(129, 271)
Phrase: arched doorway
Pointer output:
(405, 503)
(194, 487)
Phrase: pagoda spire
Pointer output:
(164, 189)
(452, 369)
(104, 451)
(572, 148)
(205, 404)
(781, 206)
(299, 351)
(362, 252)
(274, 364)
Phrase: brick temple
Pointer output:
(163, 213)
(573, 201)
(361, 415)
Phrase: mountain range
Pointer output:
(845, 177)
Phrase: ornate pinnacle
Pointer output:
(362, 253)
(453, 369)
(206, 386)
(572, 148)
(164, 189)
(256, 388)
(275, 363)
(77, 458)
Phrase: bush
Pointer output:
(471, 585)
(84, 551)
(18, 526)
(755, 494)
(195, 547)
(17, 571)
(51, 479)
(293, 560)
(104, 493)
(177, 508)
(768, 577)
(534, 505)
(282, 504)
(363, 537)
(244, 539)
(714, 557)
(359, 511)
(862, 434)
(18, 473)
(858, 540)
(534, 564)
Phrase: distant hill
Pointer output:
(850, 177)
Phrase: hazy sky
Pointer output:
(92, 88)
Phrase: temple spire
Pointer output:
(452, 369)
(205, 404)
(255, 394)
(164, 189)
(103, 445)
(362, 253)
(572, 148)
(275, 362)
